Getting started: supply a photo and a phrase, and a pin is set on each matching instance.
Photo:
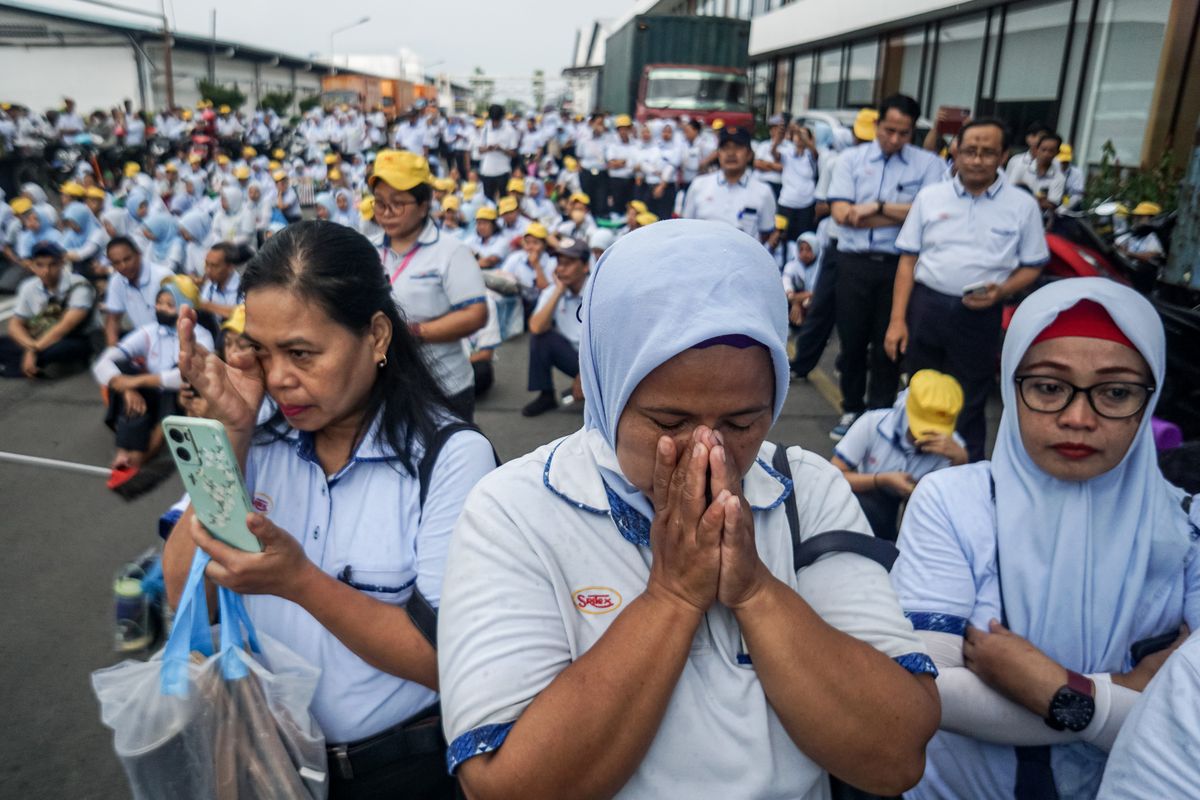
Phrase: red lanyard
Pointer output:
(403, 264)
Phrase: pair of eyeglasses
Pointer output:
(393, 208)
(1111, 399)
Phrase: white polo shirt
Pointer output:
(498, 244)
(226, 296)
(154, 347)
(653, 165)
(136, 301)
(495, 162)
(800, 173)
(545, 556)
(747, 204)
(873, 445)
(73, 291)
(566, 312)
(762, 152)
(364, 526)
(621, 151)
(519, 267)
(591, 152)
(441, 276)
(960, 239)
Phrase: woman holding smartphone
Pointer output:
(354, 536)
(1041, 580)
(622, 616)
(797, 197)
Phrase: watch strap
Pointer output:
(1080, 683)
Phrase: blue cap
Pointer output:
(48, 248)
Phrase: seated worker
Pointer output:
(579, 223)
(1140, 241)
(141, 374)
(132, 288)
(555, 327)
(222, 284)
(49, 322)
(777, 243)
(487, 243)
(888, 450)
(532, 266)
(800, 277)
(512, 224)
(451, 220)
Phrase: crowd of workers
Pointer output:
(344, 356)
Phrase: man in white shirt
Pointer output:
(222, 284)
(556, 327)
(768, 156)
(732, 194)
(1042, 175)
(497, 146)
(620, 157)
(69, 122)
(967, 245)
(49, 322)
(132, 288)
(590, 147)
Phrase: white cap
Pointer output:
(602, 239)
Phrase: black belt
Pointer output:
(420, 735)
(877, 257)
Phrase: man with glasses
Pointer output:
(968, 244)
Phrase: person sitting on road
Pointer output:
(221, 290)
(37, 227)
(512, 224)
(579, 223)
(487, 243)
(141, 376)
(621, 614)
(1036, 577)
(532, 266)
(800, 275)
(555, 328)
(887, 452)
(50, 320)
(132, 288)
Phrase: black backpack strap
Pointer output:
(880, 551)
(424, 616)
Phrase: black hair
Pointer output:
(125, 240)
(422, 193)
(336, 268)
(229, 251)
(694, 124)
(1181, 466)
(986, 122)
(902, 103)
(495, 111)
(1037, 126)
(1055, 136)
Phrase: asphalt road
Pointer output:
(65, 535)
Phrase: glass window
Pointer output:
(782, 70)
(959, 53)
(760, 87)
(829, 77)
(1074, 80)
(802, 75)
(902, 57)
(1032, 51)
(1126, 45)
(860, 86)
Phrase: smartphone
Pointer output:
(212, 477)
(1154, 644)
(951, 119)
(979, 287)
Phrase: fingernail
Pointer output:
(723, 496)
(664, 445)
(698, 450)
(720, 439)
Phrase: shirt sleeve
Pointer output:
(909, 238)
(463, 281)
(81, 296)
(841, 183)
(766, 219)
(935, 170)
(1031, 249)
(24, 307)
(114, 296)
(501, 637)
(854, 445)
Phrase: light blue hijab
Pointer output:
(165, 230)
(198, 225)
(325, 199)
(82, 216)
(663, 289)
(134, 200)
(1080, 561)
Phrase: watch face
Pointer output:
(1071, 709)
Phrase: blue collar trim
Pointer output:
(560, 495)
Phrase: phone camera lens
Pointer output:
(176, 436)
(183, 454)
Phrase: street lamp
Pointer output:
(332, 56)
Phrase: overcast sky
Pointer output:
(507, 39)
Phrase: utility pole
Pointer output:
(167, 56)
(212, 50)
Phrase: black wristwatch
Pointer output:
(1074, 705)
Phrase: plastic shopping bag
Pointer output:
(197, 724)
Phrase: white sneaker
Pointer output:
(843, 425)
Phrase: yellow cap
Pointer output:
(132, 168)
(278, 175)
(331, 158)
(187, 287)
(444, 184)
(638, 206)
(516, 185)
(450, 202)
(580, 197)
(222, 159)
(237, 320)
(571, 163)
(278, 153)
(469, 189)
(21, 205)
(1121, 210)
(273, 165)
(249, 152)
(241, 173)
(537, 230)
(622, 121)
(96, 193)
(864, 124)
(646, 218)
(195, 158)
(1065, 152)
(717, 124)
(171, 167)
(478, 123)
(72, 189)
(933, 403)
(780, 222)
(487, 212)
(224, 109)
(507, 204)
(186, 114)
(400, 170)
(366, 207)
(335, 175)
(1147, 209)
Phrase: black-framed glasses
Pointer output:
(1111, 399)
(397, 207)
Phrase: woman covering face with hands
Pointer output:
(621, 615)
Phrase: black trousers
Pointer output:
(662, 207)
(464, 404)
(882, 511)
(548, 351)
(620, 192)
(800, 220)
(595, 186)
(821, 317)
(945, 335)
(485, 376)
(494, 185)
(69, 349)
(133, 432)
(864, 307)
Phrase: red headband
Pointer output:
(1087, 319)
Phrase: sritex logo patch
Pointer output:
(262, 502)
(596, 599)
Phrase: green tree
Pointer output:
(1130, 185)
(307, 104)
(279, 102)
(220, 95)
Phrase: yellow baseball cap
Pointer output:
(487, 212)
(366, 207)
(400, 170)
(537, 230)
(717, 124)
(21, 205)
(638, 206)
(646, 218)
(273, 165)
(864, 124)
(237, 320)
(933, 403)
(507, 204)
(444, 184)
(222, 159)
(571, 163)
(171, 167)
(72, 189)
(96, 193)
(249, 152)
(186, 114)
(278, 175)
(781, 223)
(478, 122)
(1065, 152)
(468, 189)
(331, 158)
(450, 202)
(1147, 209)
(580, 197)
(335, 175)
(516, 185)
(224, 109)
(132, 168)
(278, 153)
(242, 172)
(186, 286)
(622, 121)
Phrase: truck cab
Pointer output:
(705, 93)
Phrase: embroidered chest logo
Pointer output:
(596, 599)
(262, 502)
